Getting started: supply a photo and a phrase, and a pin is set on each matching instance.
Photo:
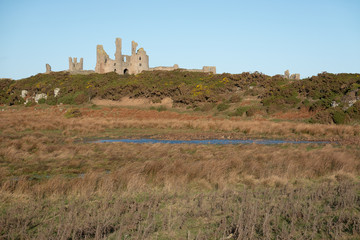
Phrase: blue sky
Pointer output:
(304, 36)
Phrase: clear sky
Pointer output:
(269, 36)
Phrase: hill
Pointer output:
(329, 98)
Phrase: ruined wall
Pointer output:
(75, 66)
(48, 68)
(205, 69)
(209, 69)
(161, 68)
(295, 76)
(139, 62)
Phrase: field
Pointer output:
(56, 184)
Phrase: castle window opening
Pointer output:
(114, 64)
(139, 58)
(114, 70)
(126, 71)
(140, 64)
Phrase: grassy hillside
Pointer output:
(203, 92)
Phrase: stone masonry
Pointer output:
(75, 66)
(122, 64)
(295, 76)
(48, 69)
(134, 64)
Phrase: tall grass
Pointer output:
(322, 211)
(53, 186)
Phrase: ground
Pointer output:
(56, 184)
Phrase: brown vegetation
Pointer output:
(99, 120)
(53, 186)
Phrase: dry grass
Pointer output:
(52, 187)
(97, 121)
(323, 211)
(125, 166)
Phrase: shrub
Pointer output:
(322, 117)
(30, 104)
(354, 111)
(338, 117)
(51, 100)
(80, 98)
(222, 107)
(72, 113)
(42, 101)
(67, 99)
(239, 111)
(318, 105)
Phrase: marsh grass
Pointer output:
(320, 211)
(53, 186)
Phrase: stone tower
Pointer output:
(75, 66)
(122, 64)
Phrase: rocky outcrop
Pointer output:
(39, 96)
(56, 92)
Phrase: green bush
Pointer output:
(51, 100)
(73, 113)
(30, 104)
(67, 99)
(222, 107)
(42, 101)
(354, 111)
(338, 117)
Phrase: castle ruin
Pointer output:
(122, 64)
(135, 63)
(295, 76)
